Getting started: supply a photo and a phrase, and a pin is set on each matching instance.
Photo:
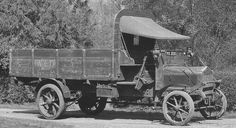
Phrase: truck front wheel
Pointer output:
(217, 106)
(50, 101)
(178, 108)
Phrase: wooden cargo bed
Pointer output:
(63, 63)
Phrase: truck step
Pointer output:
(126, 83)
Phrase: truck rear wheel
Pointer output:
(92, 105)
(50, 101)
(178, 108)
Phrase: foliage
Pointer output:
(15, 93)
(228, 87)
(76, 24)
(103, 16)
(39, 24)
(43, 24)
(210, 23)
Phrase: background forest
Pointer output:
(211, 24)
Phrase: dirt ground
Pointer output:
(107, 119)
(24, 123)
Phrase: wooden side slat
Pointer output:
(63, 63)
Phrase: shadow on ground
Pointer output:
(156, 117)
(27, 111)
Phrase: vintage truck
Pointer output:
(139, 66)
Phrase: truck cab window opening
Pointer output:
(124, 45)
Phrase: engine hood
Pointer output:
(190, 76)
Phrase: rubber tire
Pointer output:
(61, 101)
(84, 107)
(224, 101)
(188, 99)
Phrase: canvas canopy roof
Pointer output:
(146, 27)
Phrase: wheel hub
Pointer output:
(177, 107)
(49, 101)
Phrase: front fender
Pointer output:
(216, 82)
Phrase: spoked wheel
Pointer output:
(50, 101)
(92, 105)
(178, 108)
(217, 106)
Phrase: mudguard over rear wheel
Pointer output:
(50, 101)
(92, 105)
(178, 108)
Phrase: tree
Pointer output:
(210, 23)
(43, 24)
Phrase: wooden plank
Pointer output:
(70, 64)
(21, 67)
(98, 63)
(45, 63)
(21, 53)
(93, 64)
(21, 63)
